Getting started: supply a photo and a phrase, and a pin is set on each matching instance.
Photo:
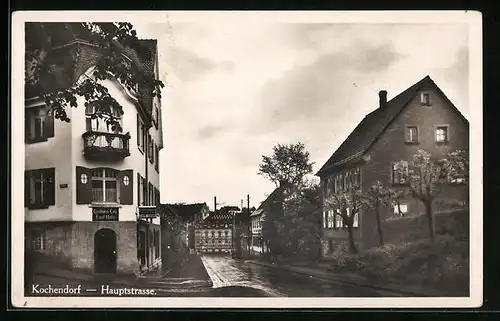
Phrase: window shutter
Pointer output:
(138, 130)
(126, 191)
(27, 188)
(83, 185)
(49, 189)
(48, 124)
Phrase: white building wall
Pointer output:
(135, 161)
(56, 152)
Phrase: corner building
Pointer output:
(90, 192)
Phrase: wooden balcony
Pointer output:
(100, 146)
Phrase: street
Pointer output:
(225, 272)
(230, 278)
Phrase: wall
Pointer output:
(126, 243)
(58, 239)
(37, 156)
(409, 229)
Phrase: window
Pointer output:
(104, 185)
(355, 221)
(39, 240)
(151, 152)
(97, 124)
(399, 173)
(425, 99)
(40, 188)
(339, 221)
(441, 134)
(157, 158)
(39, 124)
(400, 209)
(330, 219)
(149, 193)
(141, 136)
(411, 134)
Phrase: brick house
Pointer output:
(85, 184)
(421, 117)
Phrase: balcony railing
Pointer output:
(105, 146)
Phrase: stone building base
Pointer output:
(96, 247)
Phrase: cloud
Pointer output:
(189, 65)
(210, 131)
(325, 88)
(457, 72)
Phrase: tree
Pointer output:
(376, 197)
(287, 165)
(286, 168)
(172, 222)
(43, 64)
(302, 208)
(347, 205)
(423, 176)
(456, 166)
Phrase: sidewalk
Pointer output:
(319, 270)
(186, 277)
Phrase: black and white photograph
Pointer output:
(247, 159)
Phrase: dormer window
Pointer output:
(425, 99)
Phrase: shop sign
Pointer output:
(104, 214)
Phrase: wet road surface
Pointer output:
(239, 275)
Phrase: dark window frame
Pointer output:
(407, 134)
(446, 128)
(103, 179)
(423, 100)
(44, 176)
(34, 113)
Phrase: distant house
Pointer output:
(215, 233)
(270, 204)
(421, 117)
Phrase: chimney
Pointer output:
(382, 95)
(215, 203)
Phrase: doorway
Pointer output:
(105, 251)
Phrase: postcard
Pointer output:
(257, 159)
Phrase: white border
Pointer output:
(472, 18)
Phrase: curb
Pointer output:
(352, 283)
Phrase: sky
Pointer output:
(237, 89)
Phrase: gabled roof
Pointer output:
(218, 217)
(374, 124)
(267, 202)
(230, 208)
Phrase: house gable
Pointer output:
(373, 125)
